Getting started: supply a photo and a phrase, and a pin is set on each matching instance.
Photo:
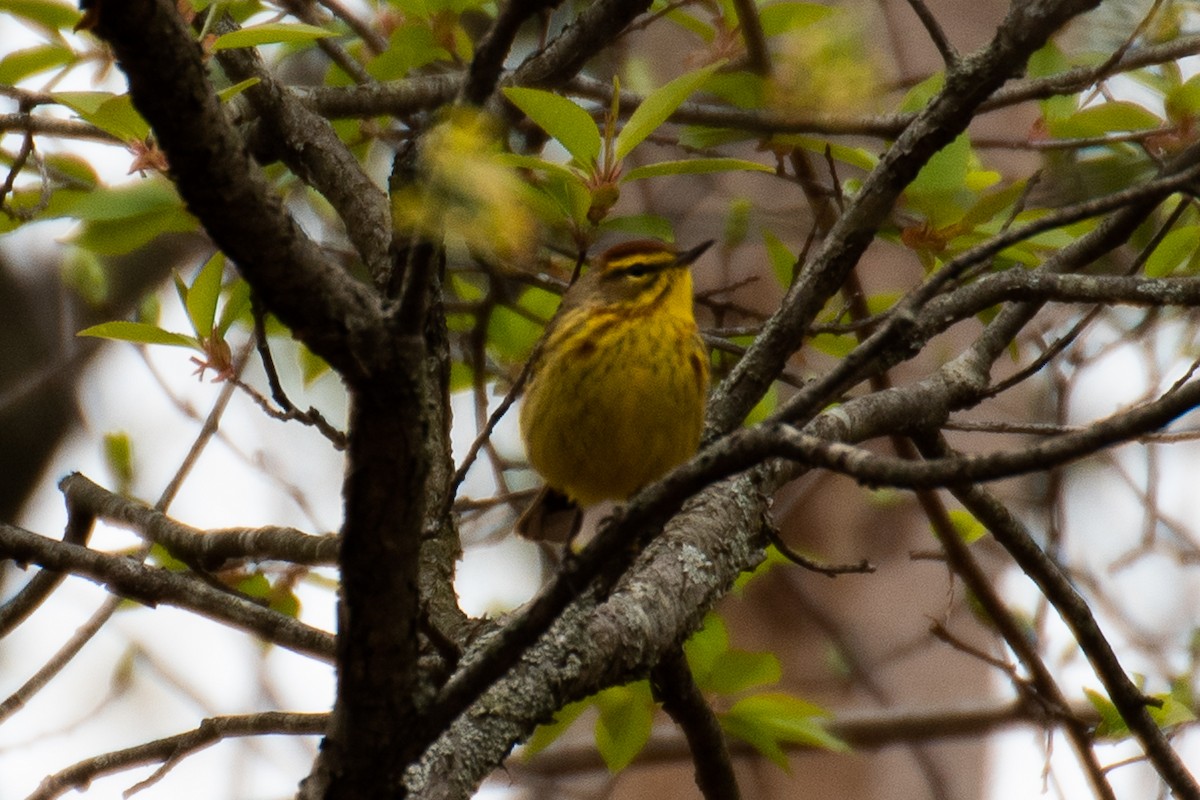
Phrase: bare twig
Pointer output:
(172, 749)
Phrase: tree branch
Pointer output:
(1074, 610)
(173, 749)
(330, 311)
(973, 79)
(311, 149)
(682, 699)
(150, 586)
(80, 521)
(206, 550)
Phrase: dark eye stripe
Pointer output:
(637, 268)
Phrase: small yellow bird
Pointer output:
(617, 386)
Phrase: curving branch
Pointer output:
(205, 550)
(288, 130)
(17, 609)
(173, 749)
(494, 47)
(681, 698)
(152, 586)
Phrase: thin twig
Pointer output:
(172, 749)
(938, 36)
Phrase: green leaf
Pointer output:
(694, 166)
(162, 556)
(112, 113)
(767, 721)
(74, 167)
(780, 18)
(739, 89)
(409, 47)
(773, 559)
(686, 21)
(765, 406)
(545, 735)
(657, 106)
(202, 295)
(783, 263)
(117, 237)
(237, 305)
(541, 164)
(312, 366)
(737, 223)
(511, 334)
(946, 170)
(1174, 711)
(838, 345)
(1105, 118)
(254, 585)
(966, 526)
(738, 670)
(1184, 100)
(285, 602)
(462, 377)
(21, 64)
(703, 137)
(230, 92)
(269, 33)
(653, 226)
(567, 122)
(1176, 249)
(705, 646)
(85, 274)
(140, 332)
(44, 13)
(131, 200)
(1112, 724)
(623, 727)
(118, 456)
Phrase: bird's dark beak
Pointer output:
(689, 256)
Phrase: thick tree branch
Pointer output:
(307, 144)
(329, 310)
(598, 642)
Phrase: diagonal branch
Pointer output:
(330, 311)
(1057, 588)
(492, 49)
(1024, 30)
(682, 699)
(288, 130)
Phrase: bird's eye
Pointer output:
(638, 270)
